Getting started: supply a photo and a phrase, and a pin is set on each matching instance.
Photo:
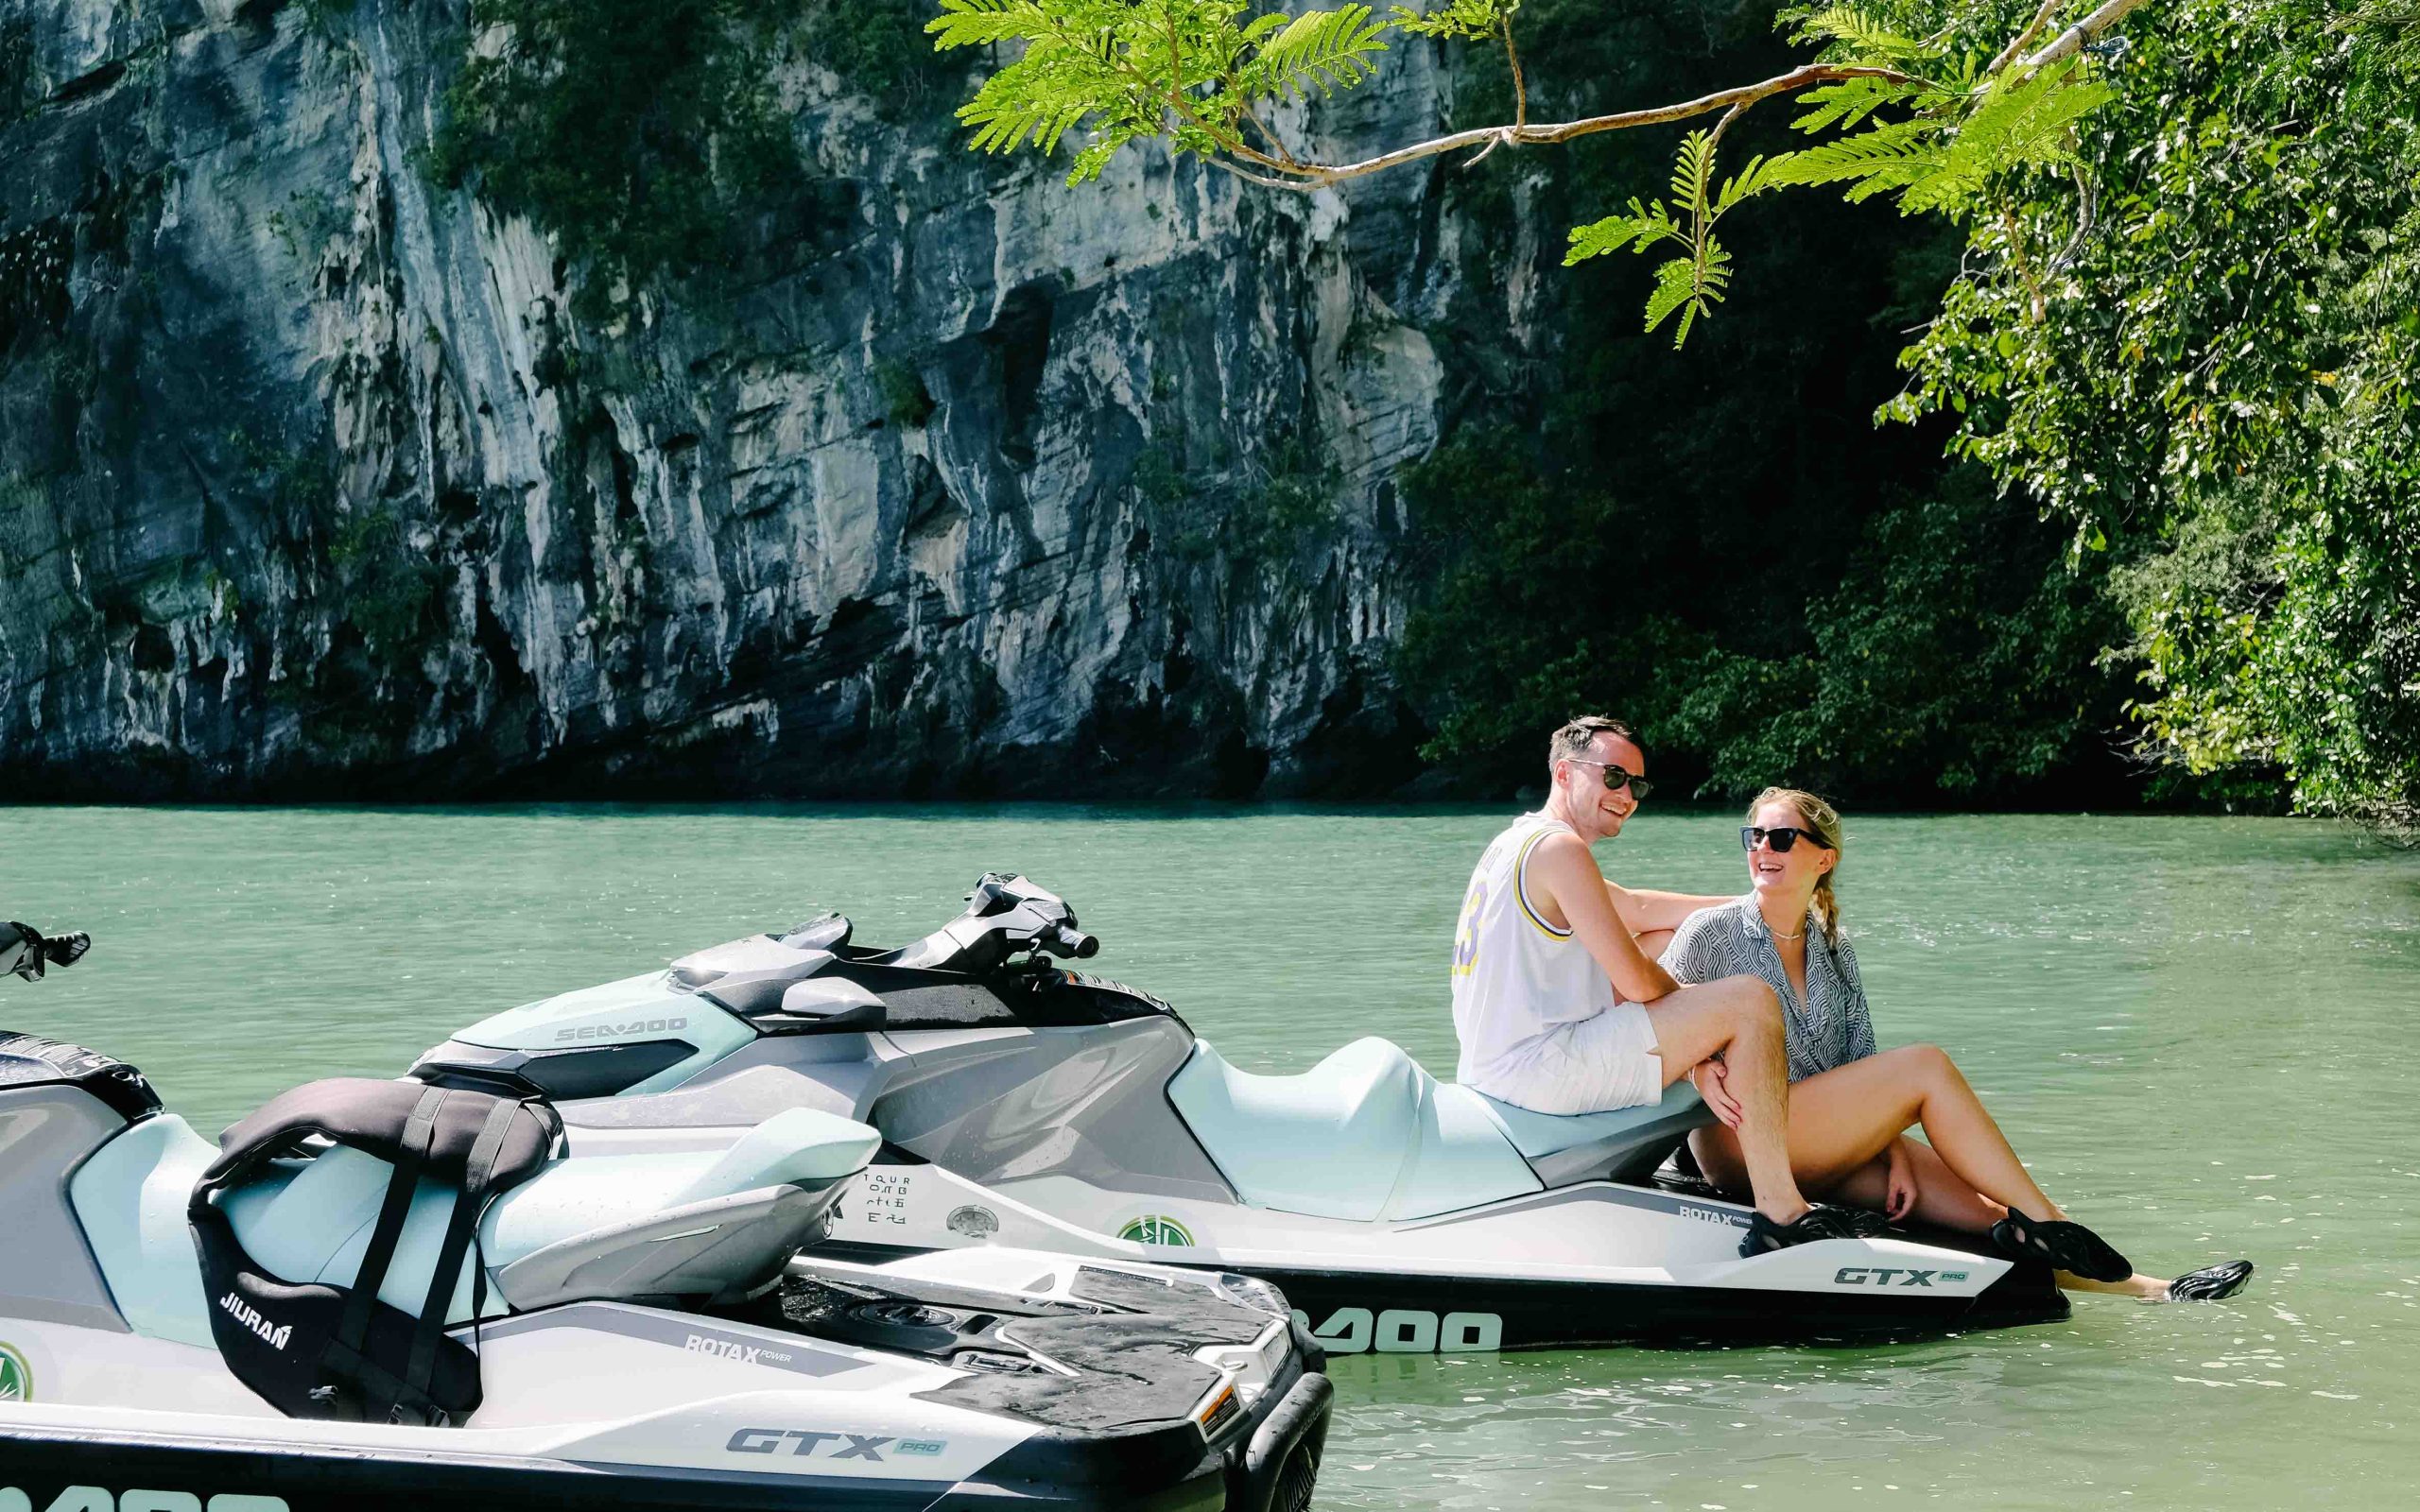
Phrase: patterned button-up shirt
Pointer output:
(1831, 1027)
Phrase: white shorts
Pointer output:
(1594, 1066)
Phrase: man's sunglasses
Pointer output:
(1782, 835)
(1616, 779)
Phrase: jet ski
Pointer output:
(1025, 1103)
(373, 1294)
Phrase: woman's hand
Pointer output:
(1899, 1196)
(1706, 1076)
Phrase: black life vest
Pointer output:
(314, 1350)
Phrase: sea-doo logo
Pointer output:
(100, 1499)
(1406, 1331)
(805, 1441)
(615, 1031)
(272, 1334)
(16, 1377)
(1880, 1275)
(1156, 1229)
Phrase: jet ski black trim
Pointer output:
(1557, 1314)
(558, 1075)
(45, 1463)
(30, 1060)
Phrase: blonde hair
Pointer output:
(1820, 816)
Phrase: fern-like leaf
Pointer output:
(2026, 124)
(1691, 169)
(1641, 229)
(1861, 37)
(1896, 152)
(1759, 176)
(981, 23)
(1676, 287)
(1847, 104)
(1331, 49)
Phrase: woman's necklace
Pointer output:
(1800, 934)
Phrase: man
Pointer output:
(1560, 1011)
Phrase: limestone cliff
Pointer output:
(312, 483)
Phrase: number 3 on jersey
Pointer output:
(1466, 938)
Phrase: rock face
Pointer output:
(313, 484)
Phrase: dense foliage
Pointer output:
(636, 132)
(1717, 541)
(2182, 332)
(2199, 350)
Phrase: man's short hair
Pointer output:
(1575, 738)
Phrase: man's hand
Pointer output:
(1644, 911)
(1706, 1076)
(1899, 1197)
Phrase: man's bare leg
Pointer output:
(1738, 1018)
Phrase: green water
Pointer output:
(2197, 1031)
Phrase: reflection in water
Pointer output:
(2195, 1030)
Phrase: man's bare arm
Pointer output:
(1564, 880)
(1646, 912)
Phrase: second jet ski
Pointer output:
(1023, 1103)
(377, 1294)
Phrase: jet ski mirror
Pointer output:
(821, 1005)
(827, 932)
(24, 950)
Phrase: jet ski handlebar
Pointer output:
(1006, 916)
(26, 952)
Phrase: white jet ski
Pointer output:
(1023, 1103)
(618, 1320)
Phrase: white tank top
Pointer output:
(1516, 978)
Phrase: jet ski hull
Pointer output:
(598, 1405)
(73, 1471)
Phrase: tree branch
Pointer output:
(1520, 91)
(1319, 176)
(2071, 41)
(2018, 43)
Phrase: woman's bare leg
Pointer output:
(1945, 1202)
(1843, 1118)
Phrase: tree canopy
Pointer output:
(2181, 330)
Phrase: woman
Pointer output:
(1849, 1106)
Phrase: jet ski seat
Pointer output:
(1366, 1134)
(1623, 1145)
(712, 1221)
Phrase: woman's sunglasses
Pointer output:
(1782, 835)
(1616, 779)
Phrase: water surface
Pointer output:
(2195, 1030)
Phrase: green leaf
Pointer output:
(1331, 49)
(1691, 169)
(1643, 228)
(1759, 176)
(982, 23)
(1676, 285)
(1465, 20)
